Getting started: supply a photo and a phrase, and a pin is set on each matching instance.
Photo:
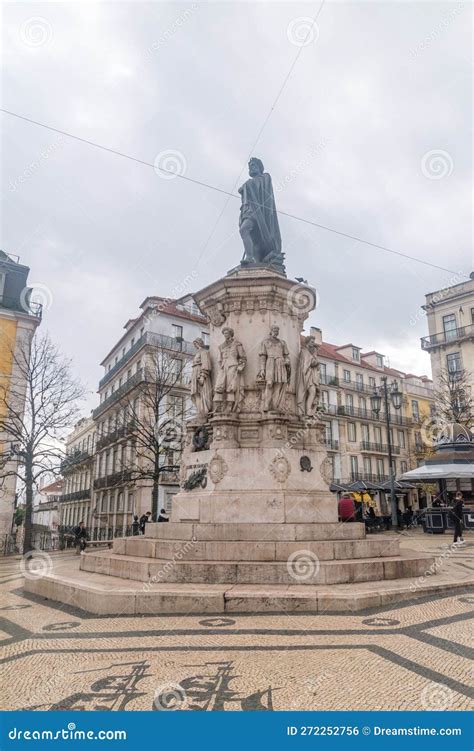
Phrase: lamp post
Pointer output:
(396, 397)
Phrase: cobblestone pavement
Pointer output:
(413, 655)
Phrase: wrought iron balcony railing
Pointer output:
(378, 448)
(448, 336)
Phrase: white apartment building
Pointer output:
(356, 437)
(77, 470)
(162, 324)
(450, 316)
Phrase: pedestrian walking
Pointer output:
(80, 537)
(457, 513)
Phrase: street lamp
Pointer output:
(396, 398)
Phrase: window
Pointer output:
(351, 431)
(325, 398)
(401, 439)
(322, 372)
(403, 467)
(378, 434)
(347, 376)
(354, 465)
(453, 362)
(130, 502)
(379, 360)
(349, 403)
(365, 433)
(449, 327)
(328, 432)
(371, 382)
(120, 506)
(415, 409)
(178, 370)
(380, 468)
(205, 338)
(355, 354)
(363, 405)
(367, 465)
(360, 381)
(177, 331)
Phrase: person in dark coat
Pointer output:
(80, 537)
(143, 521)
(457, 513)
(135, 525)
(163, 516)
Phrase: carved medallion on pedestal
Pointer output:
(280, 468)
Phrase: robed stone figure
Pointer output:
(201, 386)
(258, 222)
(307, 379)
(275, 371)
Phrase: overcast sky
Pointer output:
(371, 136)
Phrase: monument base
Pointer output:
(230, 568)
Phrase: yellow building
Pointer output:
(19, 317)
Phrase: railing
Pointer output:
(72, 460)
(116, 435)
(77, 495)
(134, 380)
(22, 305)
(368, 414)
(378, 448)
(444, 337)
(368, 477)
(116, 478)
(331, 444)
(154, 340)
(329, 380)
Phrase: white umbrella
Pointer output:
(441, 472)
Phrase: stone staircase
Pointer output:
(231, 567)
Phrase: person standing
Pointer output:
(144, 519)
(457, 513)
(135, 525)
(80, 537)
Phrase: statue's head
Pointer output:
(274, 331)
(198, 343)
(228, 334)
(255, 167)
(311, 344)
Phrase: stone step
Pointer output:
(106, 595)
(258, 531)
(251, 550)
(304, 570)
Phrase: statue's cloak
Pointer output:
(258, 202)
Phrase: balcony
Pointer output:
(378, 448)
(122, 432)
(78, 495)
(368, 414)
(116, 478)
(26, 306)
(153, 340)
(367, 477)
(448, 337)
(331, 444)
(71, 461)
(133, 381)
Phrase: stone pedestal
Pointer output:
(256, 466)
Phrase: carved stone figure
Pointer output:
(275, 371)
(307, 379)
(229, 388)
(201, 387)
(258, 223)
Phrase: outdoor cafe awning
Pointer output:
(441, 471)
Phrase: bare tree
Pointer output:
(156, 411)
(38, 405)
(453, 397)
